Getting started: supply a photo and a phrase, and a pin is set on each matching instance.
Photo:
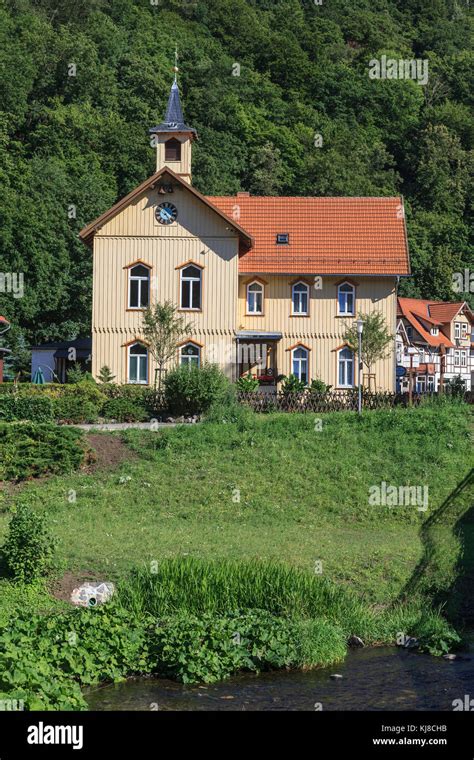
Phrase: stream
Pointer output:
(373, 679)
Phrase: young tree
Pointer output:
(105, 375)
(162, 329)
(377, 341)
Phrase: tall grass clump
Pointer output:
(223, 586)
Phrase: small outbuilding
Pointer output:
(56, 359)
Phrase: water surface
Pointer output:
(373, 679)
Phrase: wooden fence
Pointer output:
(331, 401)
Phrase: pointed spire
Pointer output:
(174, 112)
(174, 119)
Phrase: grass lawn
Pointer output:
(272, 487)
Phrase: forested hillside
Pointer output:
(83, 80)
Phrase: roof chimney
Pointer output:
(243, 194)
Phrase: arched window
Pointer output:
(255, 298)
(346, 299)
(190, 355)
(138, 287)
(346, 368)
(138, 364)
(191, 287)
(300, 299)
(300, 363)
(173, 150)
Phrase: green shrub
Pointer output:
(192, 390)
(77, 375)
(85, 391)
(456, 387)
(318, 386)
(148, 398)
(73, 409)
(29, 450)
(35, 408)
(124, 410)
(291, 384)
(29, 548)
(247, 383)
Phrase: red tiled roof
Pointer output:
(445, 312)
(437, 313)
(326, 235)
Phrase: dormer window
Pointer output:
(283, 238)
(173, 150)
(434, 331)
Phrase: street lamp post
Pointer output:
(411, 352)
(360, 328)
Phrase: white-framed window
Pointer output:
(299, 299)
(345, 370)
(409, 331)
(463, 359)
(190, 355)
(191, 277)
(138, 364)
(346, 299)
(457, 358)
(421, 384)
(138, 287)
(254, 298)
(434, 330)
(431, 383)
(464, 329)
(457, 329)
(299, 363)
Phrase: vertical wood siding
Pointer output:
(201, 236)
(322, 330)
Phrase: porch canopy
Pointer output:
(256, 353)
(258, 335)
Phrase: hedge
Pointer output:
(30, 449)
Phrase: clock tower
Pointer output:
(173, 138)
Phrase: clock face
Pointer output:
(166, 213)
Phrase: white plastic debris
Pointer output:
(91, 594)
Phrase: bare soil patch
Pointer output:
(108, 452)
(62, 588)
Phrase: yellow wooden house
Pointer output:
(267, 284)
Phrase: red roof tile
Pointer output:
(326, 235)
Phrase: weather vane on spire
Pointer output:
(175, 67)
